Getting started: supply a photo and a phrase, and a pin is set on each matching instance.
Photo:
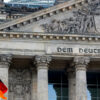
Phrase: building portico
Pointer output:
(75, 81)
(28, 76)
(52, 54)
(76, 77)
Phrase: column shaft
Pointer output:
(34, 85)
(71, 85)
(42, 84)
(42, 76)
(81, 83)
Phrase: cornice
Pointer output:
(50, 36)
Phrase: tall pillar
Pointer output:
(81, 83)
(4, 66)
(71, 83)
(34, 85)
(42, 76)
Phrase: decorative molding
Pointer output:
(81, 62)
(42, 61)
(50, 36)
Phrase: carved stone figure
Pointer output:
(83, 21)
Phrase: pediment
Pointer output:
(39, 25)
(84, 18)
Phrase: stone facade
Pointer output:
(19, 81)
(70, 42)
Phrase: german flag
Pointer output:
(3, 90)
(3, 87)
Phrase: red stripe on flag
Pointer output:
(3, 87)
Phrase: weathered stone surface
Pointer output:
(80, 21)
(42, 61)
(97, 22)
(42, 76)
(83, 21)
(81, 64)
(37, 15)
(20, 84)
(34, 85)
(71, 83)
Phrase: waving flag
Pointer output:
(3, 90)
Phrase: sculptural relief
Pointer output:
(83, 21)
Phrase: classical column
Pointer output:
(81, 83)
(4, 66)
(71, 83)
(34, 85)
(42, 76)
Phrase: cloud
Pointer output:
(7, 0)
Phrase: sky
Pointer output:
(6, 0)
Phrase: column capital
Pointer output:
(42, 61)
(81, 62)
(5, 59)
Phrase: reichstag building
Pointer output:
(52, 53)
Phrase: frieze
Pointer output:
(73, 50)
(83, 21)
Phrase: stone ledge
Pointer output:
(50, 36)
